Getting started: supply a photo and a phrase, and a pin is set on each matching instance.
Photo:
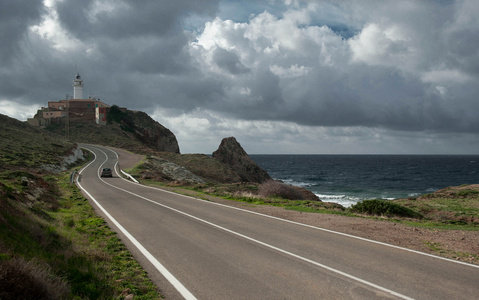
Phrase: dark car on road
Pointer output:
(106, 173)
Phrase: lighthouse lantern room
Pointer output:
(77, 87)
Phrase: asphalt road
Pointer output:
(199, 249)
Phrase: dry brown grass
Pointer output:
(21, 279)
(272, 189)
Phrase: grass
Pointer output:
(60, 233)
(441, 250)
(445, 214)
(24, 146)
(451, 208)
(379, 207)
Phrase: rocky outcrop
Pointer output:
(153, 133)
(143, 128)
(163, 170)
(232, 154)
(75, 155)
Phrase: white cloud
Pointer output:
(51, 30)
(282, 75)
(201, 131)
(379, 45)
(17, 110)
(292, 71)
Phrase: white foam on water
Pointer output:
(295, 183)
(343, 200)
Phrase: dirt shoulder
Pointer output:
(454, 244)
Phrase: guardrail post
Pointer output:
(72, 177)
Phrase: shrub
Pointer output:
(384, 208)
(467, 193)
(271, 189)
(23, 279)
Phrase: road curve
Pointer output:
(206, 250)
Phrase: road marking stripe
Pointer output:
(365, 282)
(314, 227)
(170, 277)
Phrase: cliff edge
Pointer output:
(144, 128)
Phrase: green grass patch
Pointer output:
(82, 257)
(431, 213)
(384, 208)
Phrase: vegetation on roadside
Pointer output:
(458, 212)
(54, 246)
(276, 189)
(386, 208)
(450, 208)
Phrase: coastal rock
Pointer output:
(232, 154)
(164, 170)
(149, 131)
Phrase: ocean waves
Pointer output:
(347, 179)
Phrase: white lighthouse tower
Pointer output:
(77, 87)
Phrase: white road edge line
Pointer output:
(365, 282)
(170, 277)
(309, 226)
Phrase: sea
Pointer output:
(347, 179)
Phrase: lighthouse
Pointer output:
(77, 87)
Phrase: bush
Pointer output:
(384, 208)
(21, 279)
(467, 193)
(271, 189)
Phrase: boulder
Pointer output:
(232, 154)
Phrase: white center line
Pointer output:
(167, 274)
(268, 245)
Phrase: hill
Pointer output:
(137, 132)
(131, 130)
(52, 244)
(26, 147)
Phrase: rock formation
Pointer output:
(231, 153)
(144, 128)
(153, 133)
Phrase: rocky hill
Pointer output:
(232, 154)
(131, 130)
(229, 164)
(138, 132)
(144, 129)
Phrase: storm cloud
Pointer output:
(308, 76)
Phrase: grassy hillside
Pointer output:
(451, 207)
(52, 244)
(111, 135)
(131, 130)
(23, 146)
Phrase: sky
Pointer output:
(281, 76)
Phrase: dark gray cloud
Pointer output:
(396, 69)
(87, 19)
(405, 72)
(15, 19)
(229, 61)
